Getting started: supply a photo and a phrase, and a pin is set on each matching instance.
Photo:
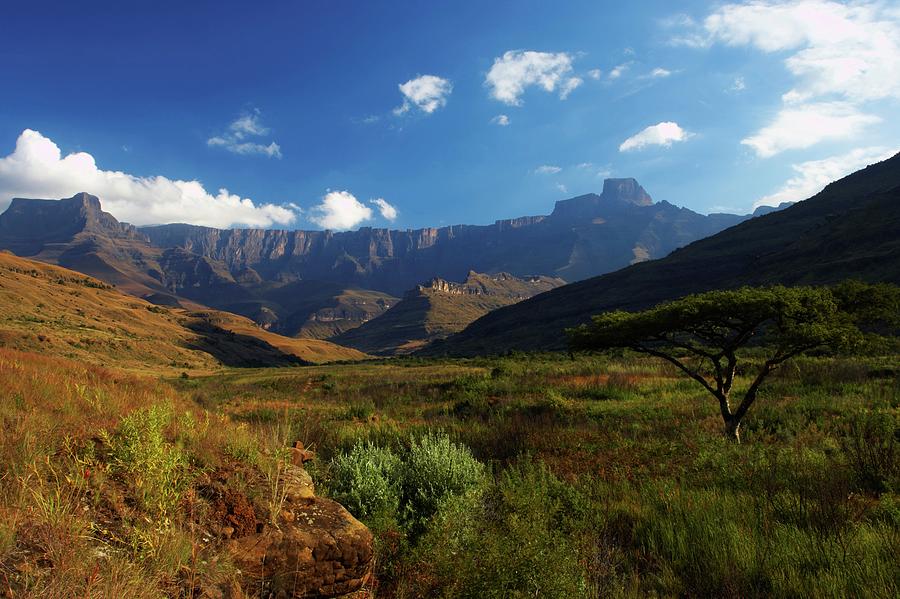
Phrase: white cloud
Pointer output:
(662, 134)
(598, 171)
(37, 169)
(547, 169)
(849, 50)
(388, 211)
(561, 187)
(339, 210)
(798, 127)
(619, 70)
(500, 119)
(813, 175)
(235, 139)
(594, 73)
(842, 55)
(516, 70)
(738, 85)
(248, 124)
(659, 72)
(272, 150)
(568, 86)
(426, 92)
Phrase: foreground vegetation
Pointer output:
(517, 476)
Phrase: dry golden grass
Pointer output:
(56, 311)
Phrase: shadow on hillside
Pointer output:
(239, 351)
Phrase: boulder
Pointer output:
(316, 548)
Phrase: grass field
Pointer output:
(524, 476)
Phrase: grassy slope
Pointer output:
(57, 311)
(321, 309)
(850, 229)
(429, 313)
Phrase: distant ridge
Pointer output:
(438, 308)
(583, 236)
(851, 229)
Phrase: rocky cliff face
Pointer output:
(500, 285)
(28, 226)
(582, 237)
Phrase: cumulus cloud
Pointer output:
(500, 119)
(661, 134)
(813, 175)
(594, 73)
(426, 92)
(659, 72)
(517, 70)
(841, 54)
(561, 187)
(37, 169)
(236, 138)
(547, 169)
(388, 211)
(339, 210)
(798, 127)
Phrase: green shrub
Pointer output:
(871, 444)
(366, 480)
(516, 539)
(158, 469)
(435, 469)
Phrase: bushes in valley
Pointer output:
(367, 481)
(517, 537)
(436, 468)
(376, 483)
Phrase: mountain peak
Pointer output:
(626, 190)
(30, 224)
(84, 199)
(616, 192)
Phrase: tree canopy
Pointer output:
(702, 334)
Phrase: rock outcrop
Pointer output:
(315, 548)
(440, 307)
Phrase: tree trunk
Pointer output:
(733, 429)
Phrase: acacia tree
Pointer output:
(703, 335)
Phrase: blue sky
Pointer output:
(297, 109)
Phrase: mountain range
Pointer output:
(851, 229)
(324, 283)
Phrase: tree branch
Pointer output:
(673, 360)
